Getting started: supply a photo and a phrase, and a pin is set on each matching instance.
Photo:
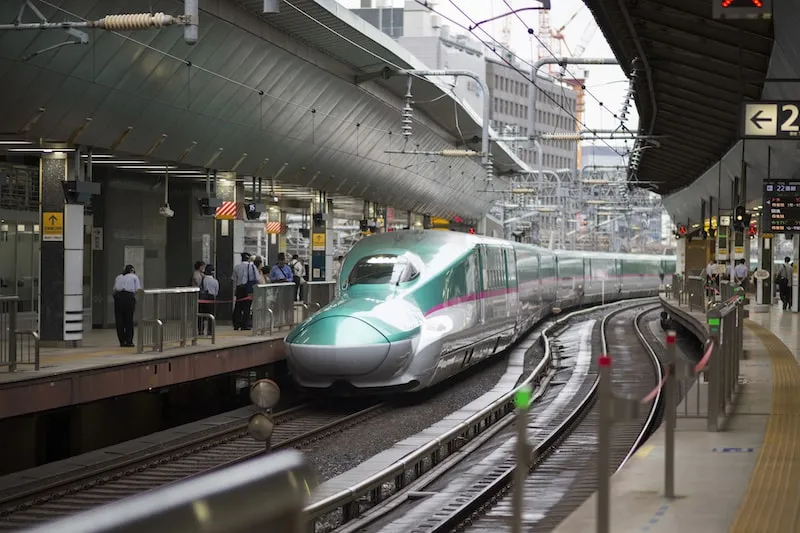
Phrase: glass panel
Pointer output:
(8, 258)
(26, 267)
(87, 277)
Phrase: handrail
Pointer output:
(263, 494)
(167, 315)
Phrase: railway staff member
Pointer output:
(740, 274)
(125, 287)
(245, 277)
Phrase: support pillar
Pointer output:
(320, 237)
(795, 278)
(764, 296)
(61, 258)
(226, 251)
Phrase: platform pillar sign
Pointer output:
(763, 275)
(670, 415)
(318, 247)
(522, 400)
(61, 269)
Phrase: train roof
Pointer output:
(427, 244)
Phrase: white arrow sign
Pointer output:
(761, 120)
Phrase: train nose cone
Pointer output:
(337, 346)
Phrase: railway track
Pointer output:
(54, 499)
(564, 474)
(390, 498)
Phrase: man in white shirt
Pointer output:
(125, 287)
(244, 277)
(298, 275)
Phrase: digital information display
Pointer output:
(742, 9)
(782, 207)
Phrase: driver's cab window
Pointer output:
(383, 269)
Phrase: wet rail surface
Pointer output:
(294, 427)
(473, 495)
(564, 480)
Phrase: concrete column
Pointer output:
(795, 278)
(765, 263)
(320, 237)
(61, 267)
(680, 257)
(227, 249)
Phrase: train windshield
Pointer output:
(382, 270)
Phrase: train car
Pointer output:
(417, 307)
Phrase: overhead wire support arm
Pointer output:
(487, 109)
(545, 5)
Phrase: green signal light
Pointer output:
(713, 322)
(523, 397)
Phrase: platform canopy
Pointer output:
(692, 73)
(264, 94)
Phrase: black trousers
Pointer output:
(241, 310)
(124, 309)
(205, 308)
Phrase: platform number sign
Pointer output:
(770, 120)
(742, 9)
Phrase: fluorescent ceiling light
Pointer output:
(145, 167)
(198, 173)
(115, 162)
(42, 150)
(15, 142)
(97, 156)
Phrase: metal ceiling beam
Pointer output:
(651, 6)
(696, 127)
(699, 89)
(654, 25)
(684, 95)
(708, 115)
(717, 84)
(682, 50)
(685, 70)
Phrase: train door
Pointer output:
(512, 293)
(483, 280)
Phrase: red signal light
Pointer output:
(754, 3)
(472, 231)
(682, 230)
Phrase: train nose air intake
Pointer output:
(338, 346)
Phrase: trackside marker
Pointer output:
(671, 337)
(605, 360)
(523, 397)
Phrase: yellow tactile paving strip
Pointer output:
(772, 501)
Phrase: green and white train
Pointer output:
(417, 307)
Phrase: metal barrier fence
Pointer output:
(274, 304)
(273, 307)
(318, 294)
(264, 494)
(167, 316)
(17, 346)
(695, 286)
(718, 371)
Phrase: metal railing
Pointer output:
(264, 494)
(168, 316)
(274, 304)
(17, 346)
(318, 294)
(273, 307)
(695, 286)
(711, 395)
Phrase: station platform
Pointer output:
(743, 479)
(101, 369)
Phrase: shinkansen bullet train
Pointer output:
(417, 307)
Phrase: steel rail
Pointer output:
(429, 455)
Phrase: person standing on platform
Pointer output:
(244, 277)
(281, 272)
(197, 276)
(298, 273)
(740, 274)
(209, 289)
(783, 280)
(125, 288)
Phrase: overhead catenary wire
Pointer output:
(525, 76)
(533, 35)
(262, 93)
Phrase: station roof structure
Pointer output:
(692, 73)
(295, 96)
